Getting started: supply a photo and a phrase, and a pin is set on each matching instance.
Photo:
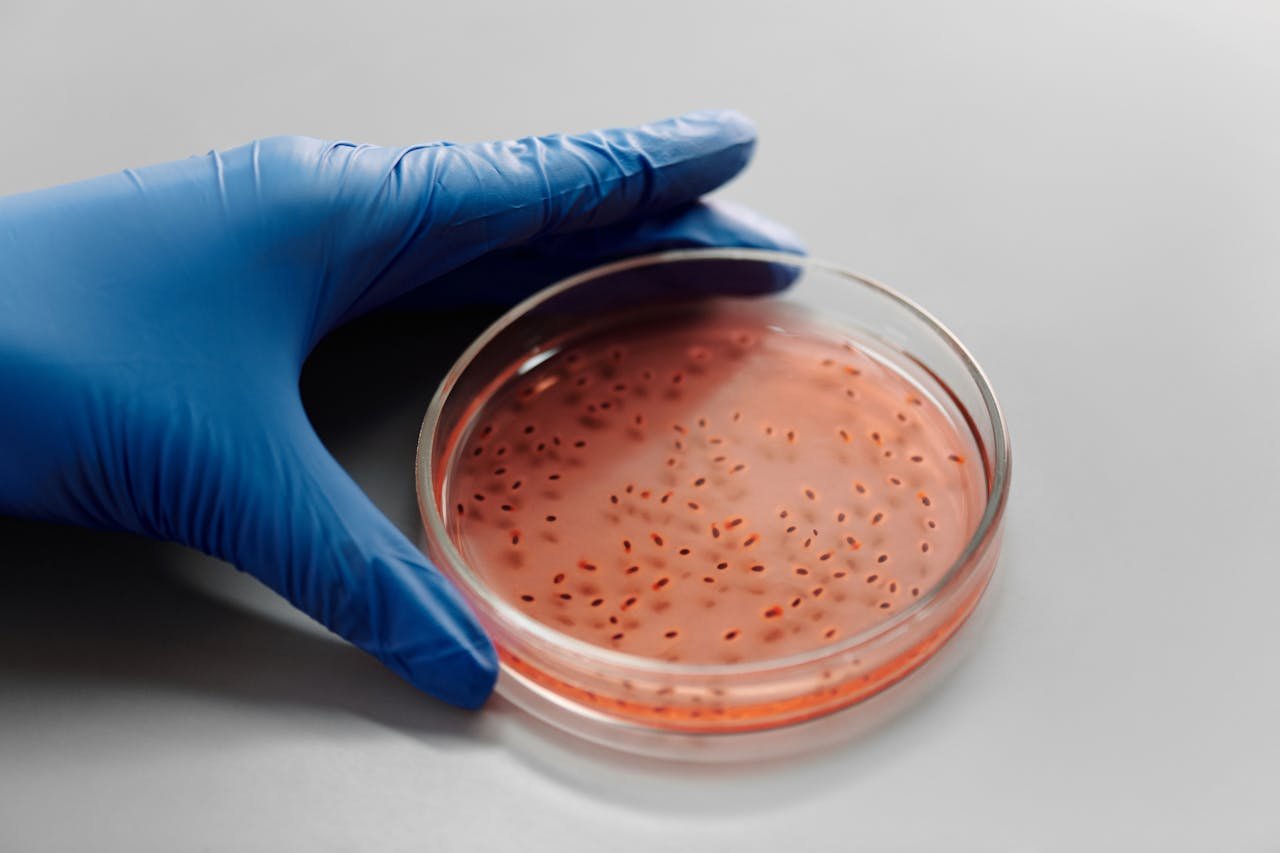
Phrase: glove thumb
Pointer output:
(308, 531)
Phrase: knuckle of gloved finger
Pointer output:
(301, 173)
(290, 148)
(340, 187)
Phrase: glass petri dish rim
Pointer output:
(977, 544)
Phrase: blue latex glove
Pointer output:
(153, 325)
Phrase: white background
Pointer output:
(1088, 193)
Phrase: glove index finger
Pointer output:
(555, 184)
(428, 210)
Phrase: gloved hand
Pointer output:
(153, 325)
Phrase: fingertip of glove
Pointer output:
(733, 125)
(465, 672)
(709, 131)
(463, 675)
(755, 231)
(730, 134)
(415, 621)
(468, 677)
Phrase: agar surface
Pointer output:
(723, 486)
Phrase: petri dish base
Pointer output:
(713, 492)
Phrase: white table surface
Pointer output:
(1088, 193)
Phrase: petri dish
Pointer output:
(703, 500)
